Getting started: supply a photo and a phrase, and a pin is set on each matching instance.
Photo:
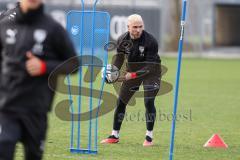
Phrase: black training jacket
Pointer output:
(140, 54)
(37, 32)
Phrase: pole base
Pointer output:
(82, 151)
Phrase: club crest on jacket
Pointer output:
(11, 36)
(141, 49)
(39, 36)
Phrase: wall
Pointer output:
(119, 14)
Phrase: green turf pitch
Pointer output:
(208, 103)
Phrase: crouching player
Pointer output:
(140, 49)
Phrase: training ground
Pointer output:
(208, 103)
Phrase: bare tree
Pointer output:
(175, 7)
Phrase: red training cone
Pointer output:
(215, 142)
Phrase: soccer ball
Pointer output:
(111, 74)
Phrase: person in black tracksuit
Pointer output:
(32, 45)
(140, 49)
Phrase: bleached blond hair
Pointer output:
(134, 18)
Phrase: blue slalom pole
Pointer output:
(180, 48)
(91, 83)
(102, 86)
(72, 110)
(80, 79)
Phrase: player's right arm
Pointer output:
(64, 49)
(117, 62)
(120, 56)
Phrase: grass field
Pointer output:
(209, 103)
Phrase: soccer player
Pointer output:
(32, 45)
(140, 49)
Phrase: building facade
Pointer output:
(211, 24)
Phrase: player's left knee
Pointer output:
(149, 103)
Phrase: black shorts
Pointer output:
(30, 129)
